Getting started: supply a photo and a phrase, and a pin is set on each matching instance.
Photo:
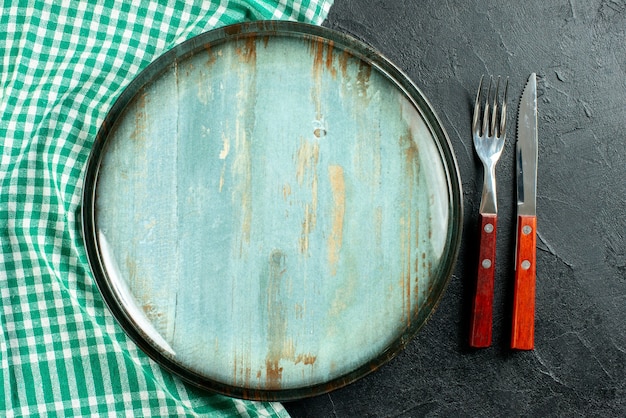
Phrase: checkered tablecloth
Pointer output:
(62, 65)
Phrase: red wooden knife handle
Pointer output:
(523, 330)
(482, 307)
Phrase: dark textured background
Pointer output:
(578, 50)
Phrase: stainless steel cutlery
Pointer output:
(489, 135)
(489, 132)
(523, 329)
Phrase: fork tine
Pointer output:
(486, 110)
(494, 112)
(503, 111)
(477, 106)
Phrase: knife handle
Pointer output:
(523, 330)
(482, 307)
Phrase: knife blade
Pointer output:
(523, 329)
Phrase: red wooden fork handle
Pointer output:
(482, 307)
(523, 330)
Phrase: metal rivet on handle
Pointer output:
(486, 263)
(525, 264)
(526, 230)
(488, 228)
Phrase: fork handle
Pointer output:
(482, 307)
(523, 329)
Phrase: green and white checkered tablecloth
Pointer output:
(62, 64)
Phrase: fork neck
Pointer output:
(488, 201)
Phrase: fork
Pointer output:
(489, 134)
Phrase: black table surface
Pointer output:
(578, 366)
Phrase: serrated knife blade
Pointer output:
(523, 329)
(526, 149)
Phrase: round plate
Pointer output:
(272, 210)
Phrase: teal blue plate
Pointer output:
(272, 210)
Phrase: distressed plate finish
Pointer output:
(272, 210)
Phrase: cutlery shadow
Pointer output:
(469, 252)
(507, 255)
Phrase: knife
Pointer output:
(523, 329)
